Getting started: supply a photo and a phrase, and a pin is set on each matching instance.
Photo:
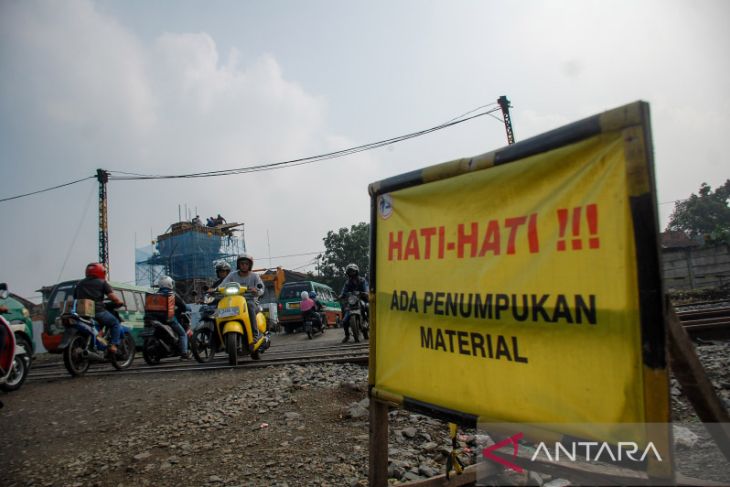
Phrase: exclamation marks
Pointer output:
(576, 241)
(563, 221)
(592, 215)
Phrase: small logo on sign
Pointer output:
(385, 206)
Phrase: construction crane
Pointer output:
(505, 106)
(103, 178)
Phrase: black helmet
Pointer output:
(352, 270)
(223, 266)
(245, 256)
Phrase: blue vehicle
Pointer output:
(83, 341)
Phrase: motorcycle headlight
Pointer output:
(26, 314)
(352, 299)
(232, 289)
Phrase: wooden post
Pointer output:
(688, 370)
(690, 268)
(378, 468)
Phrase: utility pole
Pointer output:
(103, 178)
(505, 106)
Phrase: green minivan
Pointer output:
(291, 295)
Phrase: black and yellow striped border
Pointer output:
(633, 121)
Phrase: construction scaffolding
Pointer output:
(187, 252)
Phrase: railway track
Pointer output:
(347, 353)
(709, 323)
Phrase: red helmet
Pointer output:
(95, 270)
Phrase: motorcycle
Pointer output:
(84, 341)
(356, 306)
(205, 342)
(313, 322)
(160, 338)
(233, 325)
(14, 359)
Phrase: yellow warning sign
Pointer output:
(511, 292)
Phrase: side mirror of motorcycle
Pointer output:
(4, 293)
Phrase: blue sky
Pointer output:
(174, 87)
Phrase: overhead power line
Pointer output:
(120, 175)
(295, 255)
(300, 161)
(474, 110)
(44, 190)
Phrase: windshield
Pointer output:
(61, 294)
(295, 290)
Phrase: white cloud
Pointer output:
(130, 87)
(75, 69)
(174, 106)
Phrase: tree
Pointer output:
(341, 248)
(704, 215)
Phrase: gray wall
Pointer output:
(696, 267)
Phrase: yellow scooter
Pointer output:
(233, 325)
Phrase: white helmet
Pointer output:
(245, 256)
(166, 281)
(305, 295)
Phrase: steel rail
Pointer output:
(710, 323)
(273, 350)
(357, 356)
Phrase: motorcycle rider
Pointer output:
(307, 303)
(222, 269)
(317, 303)
(308, 307)
(94, 286)
(357, 284)
(253, 283)
(167, 288)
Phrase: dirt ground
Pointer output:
(271, 426)
(180, 429)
